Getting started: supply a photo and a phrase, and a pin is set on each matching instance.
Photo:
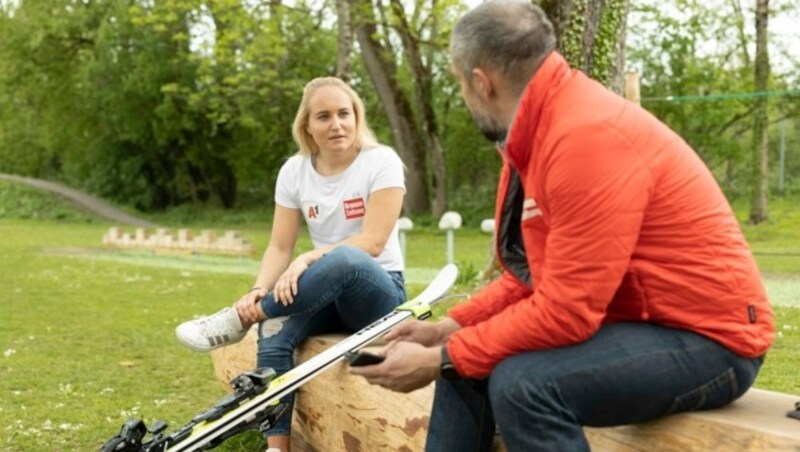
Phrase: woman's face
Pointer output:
(331, 119)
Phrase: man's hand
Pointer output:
(407, 367)
(423, 333)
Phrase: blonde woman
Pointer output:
(349, 189)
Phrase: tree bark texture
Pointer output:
(591, 36)
(344, 47)
(382, 69)
(758, 206)
(424, 105)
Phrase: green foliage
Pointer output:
(21, 202)
(607, 42)
(571, 42)
(131, 105)
(475, 200)
(160, 104)
(468, 274)
(670, 48)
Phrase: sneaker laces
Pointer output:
(218, 323)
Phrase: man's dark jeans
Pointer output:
(626, 373)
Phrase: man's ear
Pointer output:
(483, 82)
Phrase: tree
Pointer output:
(758, 206)
(344, 44)
(121, 97)
(706, 92)
(591, 36)
(412, 121)
(678, 73)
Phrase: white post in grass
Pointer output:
(487, 226)
(404, 224)
(449, 222)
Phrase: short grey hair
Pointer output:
(509, 36)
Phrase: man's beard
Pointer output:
(489, 128)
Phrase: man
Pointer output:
(628, 290)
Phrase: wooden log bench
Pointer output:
(340, 412)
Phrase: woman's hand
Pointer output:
(286, 287)
(247, 307)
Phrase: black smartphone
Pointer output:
(362, 358)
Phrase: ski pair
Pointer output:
(255, 402)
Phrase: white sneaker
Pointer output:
(207, 333)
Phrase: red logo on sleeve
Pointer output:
(354, 208)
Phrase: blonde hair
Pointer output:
(305, 142)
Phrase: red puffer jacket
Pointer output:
(604, 214)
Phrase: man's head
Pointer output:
(495, 49)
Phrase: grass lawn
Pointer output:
(87, 335)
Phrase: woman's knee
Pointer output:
(274, 335)
(346, 258)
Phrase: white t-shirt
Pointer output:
(334, 207)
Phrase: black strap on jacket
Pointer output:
(510, 243)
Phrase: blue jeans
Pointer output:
(626, 373)
(346, 289)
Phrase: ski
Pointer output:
(255, 402)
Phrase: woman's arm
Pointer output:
(383, 210)
(278, 255)
(276, 259)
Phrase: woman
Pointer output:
(350, 191)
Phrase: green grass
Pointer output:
(87, 337)
(23, 202)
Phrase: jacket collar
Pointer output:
(553, 73)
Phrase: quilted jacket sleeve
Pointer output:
(490, 300)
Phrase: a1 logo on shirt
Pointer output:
(354, 208)
(311, 211)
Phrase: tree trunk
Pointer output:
(408, 142)
(424, 103)
(591, 36)
(344, 46)
(740, 32)
(758, 206)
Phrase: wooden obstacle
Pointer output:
(231, 242)
(339, 412)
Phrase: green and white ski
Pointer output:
(255, 402)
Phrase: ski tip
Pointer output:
(443, 281)
(449, 273)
